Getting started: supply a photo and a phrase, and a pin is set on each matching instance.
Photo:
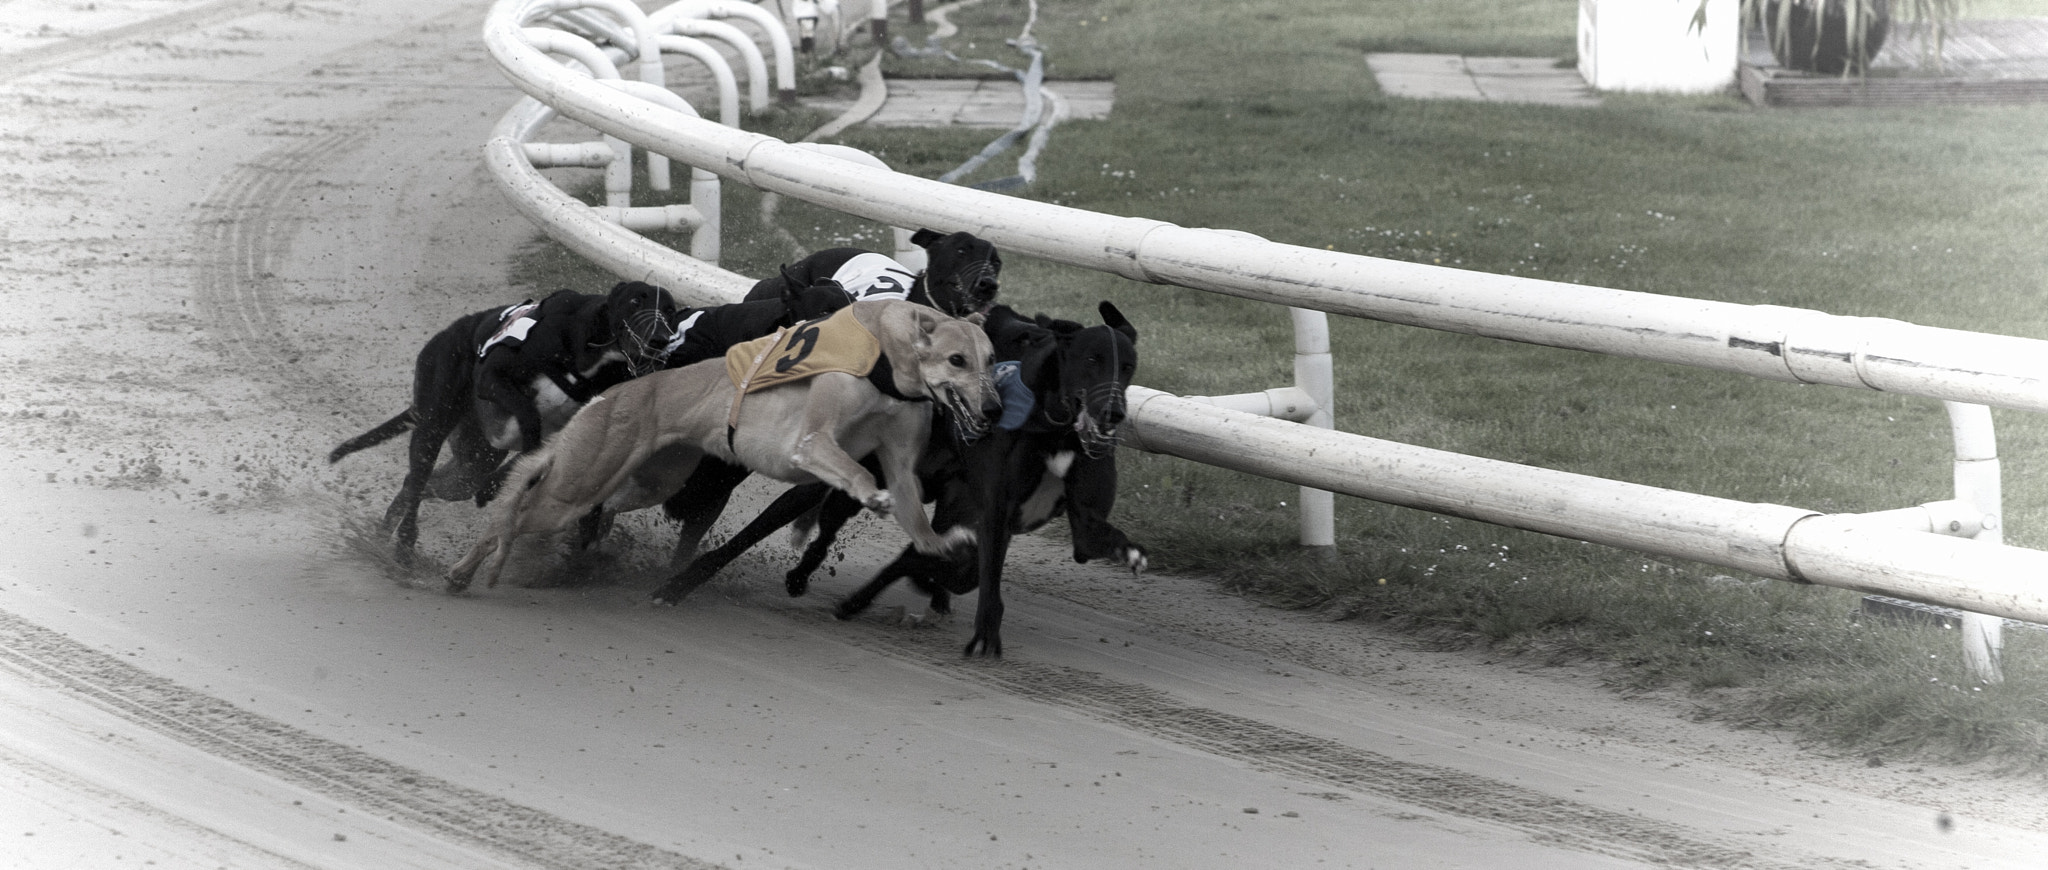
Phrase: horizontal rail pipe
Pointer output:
(1778, 343)
(581, 229)
(1783, 543)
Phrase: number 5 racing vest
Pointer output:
(834, 343)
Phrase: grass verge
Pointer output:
(1265, 119)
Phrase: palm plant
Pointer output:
(1841, 36)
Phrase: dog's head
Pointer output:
(952, 358)
(1096, 364)
(961, 271)
(640, 317)
(801, 303)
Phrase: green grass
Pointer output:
(1263, 118)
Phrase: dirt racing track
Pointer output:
(228, 228)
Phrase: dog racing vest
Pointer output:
(835, 343)
(514, 323)
(838, 342)
(682, 333)
(874, 276)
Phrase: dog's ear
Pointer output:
(1114, 319)
(926, 321)
(925, 238)
(791, 288)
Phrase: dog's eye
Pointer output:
(958, 361)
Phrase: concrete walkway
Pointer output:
(1492, 79)
(986, 103)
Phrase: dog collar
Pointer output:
(884, 378)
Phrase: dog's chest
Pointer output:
(1049, 497)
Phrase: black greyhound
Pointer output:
(1053, 453)
(960, 278)
(502, 378)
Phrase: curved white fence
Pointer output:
(1863, 553)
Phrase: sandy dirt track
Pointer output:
(227, 228)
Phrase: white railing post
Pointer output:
(1977, 483)
(1315, 374)
(878, 22)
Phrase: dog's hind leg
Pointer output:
(422, 451)
(779, 513)
(909, 565)
(837, 508)
(852, 605)
(700, 502)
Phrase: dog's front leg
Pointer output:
(899, 469)
(1091, 494)
(821, 457)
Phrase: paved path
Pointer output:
(1492, 79)
(991, 103)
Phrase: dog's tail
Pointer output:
(385, 431)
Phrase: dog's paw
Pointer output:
(881, 502)
(1133, 558)
(957, 539)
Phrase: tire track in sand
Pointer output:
(244, 232)
(450, 811)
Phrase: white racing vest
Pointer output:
(514, 322)
(875, 276)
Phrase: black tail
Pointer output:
(385, 431)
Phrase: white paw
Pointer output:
(881, 502)
(957, 537)
(1135, 560)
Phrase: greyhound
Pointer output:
(960, 278)
(638, 442)
(1053, 454)
(493, 369)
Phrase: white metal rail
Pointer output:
(1863, 553)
